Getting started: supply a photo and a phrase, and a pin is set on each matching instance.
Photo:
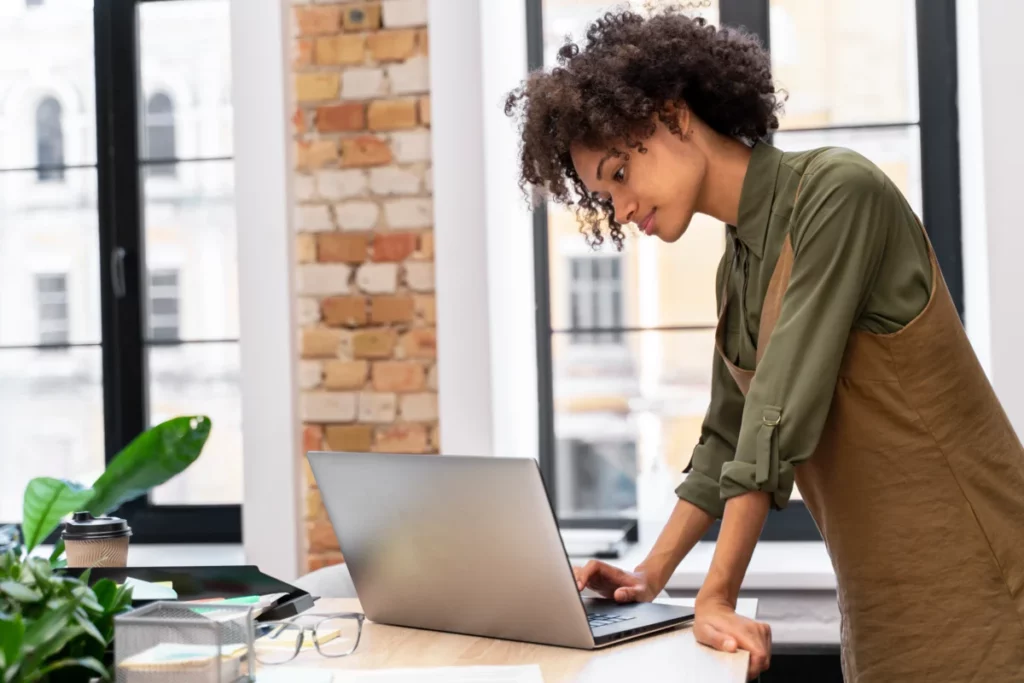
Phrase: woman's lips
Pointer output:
(647, 224)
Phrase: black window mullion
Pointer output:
(940, 139)
(542, 288)
(122, 258)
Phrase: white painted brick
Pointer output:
(362, 84)
(419, 276)
(405, 13)
(377, 407)
(307, 311)
(334, 184)
(311, 373)
(378, 278)
(410, 77)
(305, 188)
(419, 407)
(315, 218)
(411, 146)
(428, 180)
(409, 213)
(394, 180)
(322, 279)
(357, 215)
(432, 378)
(328, 406)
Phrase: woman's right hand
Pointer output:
(612, 582)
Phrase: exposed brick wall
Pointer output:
(365, 248)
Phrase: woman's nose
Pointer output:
(627, 214)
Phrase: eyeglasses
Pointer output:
(333, 635)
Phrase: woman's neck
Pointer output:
(728, 160)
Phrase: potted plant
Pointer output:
(58, 628)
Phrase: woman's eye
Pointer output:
(620, 175)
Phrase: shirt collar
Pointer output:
(758, 196)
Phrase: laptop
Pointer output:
(467, 545)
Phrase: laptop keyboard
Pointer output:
(599, 620)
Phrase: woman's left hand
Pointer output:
(717, 625)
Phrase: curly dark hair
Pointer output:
(631, 69)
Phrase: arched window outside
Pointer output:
(49, 141)
(160, 135)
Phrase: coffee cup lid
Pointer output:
(84, 527)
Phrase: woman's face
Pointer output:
(657, 190)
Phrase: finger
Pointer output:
(583, 575)
(613, 575)
(627, 594)
(713, 637)
(757, 664)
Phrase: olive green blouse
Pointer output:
(860, 262)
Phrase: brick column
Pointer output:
(365, 244)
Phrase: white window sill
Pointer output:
(176, 555)
(775, 565)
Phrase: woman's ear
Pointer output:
(678, 113)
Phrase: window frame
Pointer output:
(120, 169)
(940, 192)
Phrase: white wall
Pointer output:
(991, 62)
(270, 424)
(483, 241)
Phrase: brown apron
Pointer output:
(917, 487)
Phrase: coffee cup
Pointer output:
(96, 541)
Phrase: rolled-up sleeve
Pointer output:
(717, 444)
(838, 229)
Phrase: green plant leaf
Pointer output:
(152, 458)
(12, 632)
(47, 501)
(87, 599)
(122, 599)
(40, 569)
(56, 561)
(20, 591)
(50, 624)
(89, 627)
(106, 591)
(84, 662)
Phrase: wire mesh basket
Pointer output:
(181, 642)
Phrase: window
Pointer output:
(595, 299)
(49, 141)
(160, 142)
(616, 432)
(52, 306)
(597, 476)
(87, 267)
(163, 306)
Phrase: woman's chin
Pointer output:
(670, 235)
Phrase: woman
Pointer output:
(841, 362)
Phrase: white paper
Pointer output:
(447, 674)
(293, 674)
(144, 590)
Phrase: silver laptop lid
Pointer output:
(449, 543)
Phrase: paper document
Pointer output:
(447, 674)
(149, 590)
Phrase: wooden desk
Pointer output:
(673, 656)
